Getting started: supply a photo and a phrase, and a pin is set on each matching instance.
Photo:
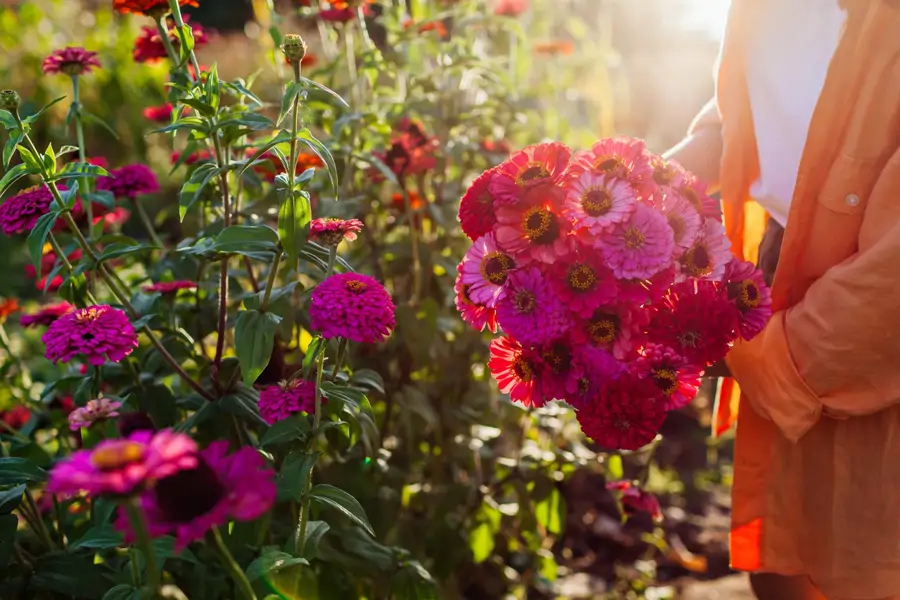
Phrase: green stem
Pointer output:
(82, 153)
(135, 573)
(179, 24)
(295, 126)
(57, 509)
(223, 271)
(270, 282)
(142, 539)
(414, 243)
(42, 532)
(300, 540)
(332, 258)
(237, 574)
(342, 348)
(148, 224)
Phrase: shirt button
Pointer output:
(852, 200)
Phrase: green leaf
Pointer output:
(413, 582)
(32, 118)
(198, 105)
(239, 239)
(100, 538)
(9, 499)
(13, 175)
(254, 338)
(30, 159)
(10, 147)
(186, 34)
(270, 561)
(344, 502)
(368, 378)
(80, 170)
(287, 101)
(294, 217)
(123, 591)
(164, 547)
(66, 150)
(285, 431)
(70, 573)
(382, 168)
(281, 138)
(327, 90)
(8, 526)
(316, 347)
(551, 512)
(294, 474)
(251, 120)
(243, 403)
(193, 187)
(315, 530)
(119, 249)
(481, 539)
(240, 90)
(7, 119)
(49, 159)
(322, 152)
(68, 196)
(103, 511)
(88, 117)
(211, 86)
(38, 237)
(102, 197)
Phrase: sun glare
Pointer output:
(707, 15)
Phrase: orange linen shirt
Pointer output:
(817, 457)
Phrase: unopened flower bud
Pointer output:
(9, 100)
(294, 48)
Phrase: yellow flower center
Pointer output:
(634, 238)
(609, 164)
(666, 380)
(88, 315)
(696, 261)
(357, 287)
(581, 278)
(522, 369)
(596, 202)
(525, 302)
(539, 225)
(603, 329)
(117, 455)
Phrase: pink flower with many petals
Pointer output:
(626, 415)
(277, 402)
(745, 287)
(708, 256)
(535, 166)
(149, 48)
(617, 329)
(477, 315)
(476, 209)
(595, 203)
(98, 333)
(641, 246)
(619, 157)
(159, 114)
(95, 410)
(332, 231)
(684, 221)
(594, 368)
(354, 307)
(530, 310)
(634, 499)
(170, 287)
(676, 379)
(130, 181)
(694, 191)
(70, 60)
(221, 488)
(485, 269)
(20, 213)
(534, 229)
(641, 292)
(123, 467)
(46, 315)
(583, 282)
(516, 370)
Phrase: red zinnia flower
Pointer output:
(498, 146)
(415, 201)
(554, 47)
(148, 46)
(676, 379)
(332, 231)
(534, 229)
(268, 165)
(474, 313)
(70, 61)
(342, 11)
(16, 417)
(626, 415)
(476, 209)
(634, 499)
(516, 371)
(583, 282)
(170, 287)
(534, 166)
(148, 7)
(163, 112)
(46, 315)
(48, 262)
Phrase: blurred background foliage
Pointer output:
(494, 500)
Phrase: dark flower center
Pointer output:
(609, 164)
(117, 455)
(676, 222)
(581, 278)
(189, 494)
(663, 174)
(540, 226)
(522, 369)
(596, 202)
(584, 385)
(622, 424)
(634, 238)
(533, 172)
(689, 339)
(464, 295)
(603, 329)
(697, 262)
(558, 358)
(494, 267)
(745, 294)
(357, 287)
(397, 158)
(87, 336)
(665, 379)
(525, 302)
(692, 196)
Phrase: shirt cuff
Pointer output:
(766, 372)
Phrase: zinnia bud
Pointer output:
(294, 48)
(9, 100)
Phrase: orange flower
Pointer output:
(554, 47)
(153, 8)
(436, 26)
(7, 307)
(415, 201)
(341, 4)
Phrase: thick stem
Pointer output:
(135, 573)
(237, 574)
(332, 259)
(300, 540)
(57, 509)
(270, 282)
(295, 126)
(179, 23)
(142, 540)
(82, 152)
(221, 159)
(342, 348)
(148, 224)
(163, 30)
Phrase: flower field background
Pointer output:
(386, 469)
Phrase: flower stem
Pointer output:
(414, 243)
(295, 126)
(42, 532)
(270, 282)
(135, 573)
(222, 160)
(163, 29)
(179, 23)
(82, 152)
(142, 538)
(342, 348)
(332, 258)
(237, 574)
(300, 540)
(148, 224)
(57, 509)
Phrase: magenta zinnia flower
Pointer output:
(476, 209)
(624, 416)
(617, 329)
(477, 315)
(592, 368)
(676, 379)
(534, 166)
(534, 229)
(641, 292)
(745, 287)
(20, 213)
(129, 181)
(595, 203)
(354, 307)
(634, 499)
(485, 269)
(583, 283)
(95, 410)
(99, 333)
(516, 371)
(693, 190)
(221, 487)
(277, 402)
(159, 114)
(122, 467)
(620, 157)
(641, 246)
(170, 287)
(332, 231)
(530, 310)
(709, 254)
(70, 61)
(46, 315)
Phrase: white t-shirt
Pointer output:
(788, 54)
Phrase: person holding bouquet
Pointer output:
(803, 140)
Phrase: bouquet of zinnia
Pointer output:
(612, 280)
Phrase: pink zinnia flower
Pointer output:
(99, 333)
(618, 329)
(477, 315)
(595, 203)
(221, 487)
(332, 231)
(583, 282)
(634, 499)
(625, 416)
(95, 410)
(130, 181)
(534, 229)
(667, 174)
(485, 269)
(641, 292)
(277, 402)
(159, 114)
(683, 219)
(641, 246)
(696, 321)
(619, 157)
(510, 8)
(693, 190)
(20, 213)
(70, 61)
(46, 315)
(530, 310)
(708, 256)
(122, 467)
(745, 287)
(516, 371)
(592, 368)
(677, 379)
(48, 264)
(170, 287)
(352, 306)
(476, 209)
(535, 166)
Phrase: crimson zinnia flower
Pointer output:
(277, 402)
(352, 306)
(46, 315)
(152, 8)
(148, 47)
(99, 332)
(510, 8)
(476, 209)
(626, 415)
(70, 61)
(130, 181)
(16, 417)
(170, 287)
